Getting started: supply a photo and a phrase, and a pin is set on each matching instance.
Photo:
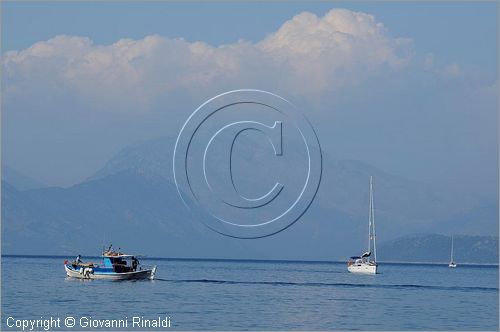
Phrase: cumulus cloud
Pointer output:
(320, 49)
(307, 55)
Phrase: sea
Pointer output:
(193, 294)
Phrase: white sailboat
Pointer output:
(452, 262)
(364, 264)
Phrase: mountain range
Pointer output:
(132, 202)
(18, 180)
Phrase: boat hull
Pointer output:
(89, 273)
(362, 268)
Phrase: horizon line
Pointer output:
(259, 260)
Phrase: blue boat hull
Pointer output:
(107, 273)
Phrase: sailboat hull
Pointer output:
(362, 268)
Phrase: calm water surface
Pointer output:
(222, 295)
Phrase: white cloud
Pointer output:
(340, 38)
(451, 70)
(308, 55)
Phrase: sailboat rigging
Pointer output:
(452, 261)
(364, 264)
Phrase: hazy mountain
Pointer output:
(150, 157)
(344, 188)
(144, 213)
(132, 203)
(437, 248)
(127, 209)
(18, 180)
(29, 226)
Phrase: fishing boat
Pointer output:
(115, 266)
(452, 262)
(364, 264)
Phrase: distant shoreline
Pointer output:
(260, 260)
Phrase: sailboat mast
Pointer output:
(370, 210)
(451, 248)
(373, 221)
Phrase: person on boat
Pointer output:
(77, 261)
(109, 250)
(135, 262)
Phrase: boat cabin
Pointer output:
(120, 263)
(358, 260)
(354, 260)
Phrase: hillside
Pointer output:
(133, 203)
(436, 248)
(18, 180)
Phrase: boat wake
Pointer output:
(342, 285)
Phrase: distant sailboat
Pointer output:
(452, 262)
(363, 264)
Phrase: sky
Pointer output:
(411, 88)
